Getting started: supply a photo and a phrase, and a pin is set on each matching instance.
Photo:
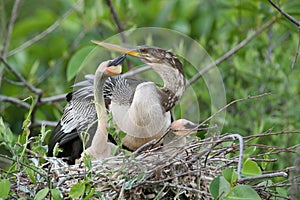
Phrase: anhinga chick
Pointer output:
(86, 113)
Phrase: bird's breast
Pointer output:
(145, 117)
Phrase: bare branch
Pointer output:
(53, 99)
(228, 105)
(45, 123)
(290, 18)
(241, 142)
(294, 21)
(13, 82)
(45, 32)
(271, 175)
(298, 47)
(295, 193)
(20, 77)
(11, 24)
(117, 20)
(15, 101)
(136, 71)
(270, 134)
(230, 52)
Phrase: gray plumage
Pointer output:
(80, 115)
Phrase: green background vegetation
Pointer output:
(263, 65)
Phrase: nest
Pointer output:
(161, 173)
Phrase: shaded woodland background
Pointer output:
(39, 38)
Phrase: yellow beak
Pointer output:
(121, 49)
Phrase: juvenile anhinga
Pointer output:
(142, 111)
(86, 112)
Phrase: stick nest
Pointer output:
(173, 173)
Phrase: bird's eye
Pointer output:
(143, 51)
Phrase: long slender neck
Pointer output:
(100, 148)
(99, 80)
(174, 84)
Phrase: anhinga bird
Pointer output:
(86, 112)
(139, 108)
(143, 111)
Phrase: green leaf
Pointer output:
(89, 196)
(41, 194)
(249, 151)
(77, 190)
(219, 187)
(30, 172)
(56, 150)
(5, 187)
(243, 192)
(265, 164)
(74, 66)
(251, 168)
(56, 194)
(230, 175)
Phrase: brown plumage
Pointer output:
(143, 111)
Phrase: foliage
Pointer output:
(51, 61)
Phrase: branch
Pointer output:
(20, 77)
(271, 175)
(298, 47)
(45, 32)
(13, 82)
(270, 134)
(232, 102)
(294, 21)
(290, 18)
(45, 123)
(241, 142)
(117, 20)
(136, 71)
(13, 100)
(53, 99)
(230, 52)
(12, 20)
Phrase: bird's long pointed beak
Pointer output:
(121, 49)
(117, 61)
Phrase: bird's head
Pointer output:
(114, 67)
(149, 55)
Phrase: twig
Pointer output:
(56, 98)
(294, 187)
(263, 146)
(117, 20)
(121, 195)
(290, 18)
(14, 100)
(136, 71)
(298, 47)
(294, 21)
(45, 32)
(45, 123)
(11, 24)
(144, 147)
(184, 188)
(231, 52)
(240, 138)
(271, 134)
(42, 173)
(271, 175)
(228, 105)
(20, 77)
(13, 82)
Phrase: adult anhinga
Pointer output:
(86, 112)
(142, 111)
